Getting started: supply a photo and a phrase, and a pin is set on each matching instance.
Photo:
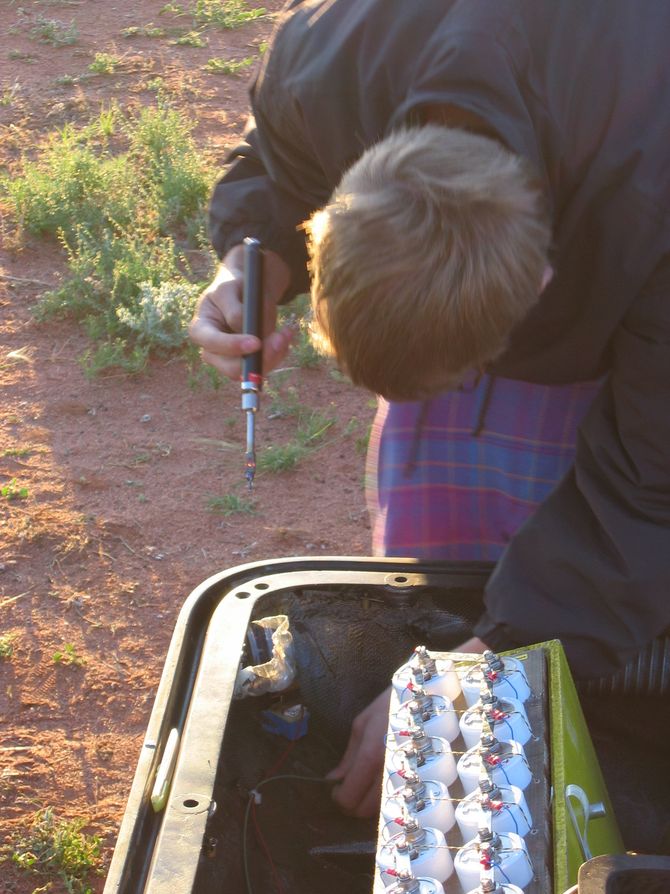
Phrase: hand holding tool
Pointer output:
(252, 364)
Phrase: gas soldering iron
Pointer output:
(252, 364)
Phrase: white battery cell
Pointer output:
(504, 762)
(502, 809)
(434, 713)
(430, 757)
(435, 675)
(413, 885)
(506, 718)
(428, 802)
(422, 851)
(506, 855)
(505, 676)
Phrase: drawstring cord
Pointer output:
(410, 467)
(422, 415)
(484, 406)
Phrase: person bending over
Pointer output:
(485, 213)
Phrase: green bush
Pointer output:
(125, 195)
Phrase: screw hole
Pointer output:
(191, 802)
(400, 580)
(243, 594)
(262, 586)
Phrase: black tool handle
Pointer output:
(252, 364)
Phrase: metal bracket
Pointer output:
(589, 811)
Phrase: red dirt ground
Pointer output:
(115, 531)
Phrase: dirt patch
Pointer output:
(104, 520)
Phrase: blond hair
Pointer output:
(428, 253)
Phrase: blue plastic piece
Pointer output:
(291, 723)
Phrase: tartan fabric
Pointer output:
(455, 477)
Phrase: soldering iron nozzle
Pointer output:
(250, 470)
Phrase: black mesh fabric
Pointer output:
(348, 644)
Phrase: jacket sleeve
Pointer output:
(247, 201)
(592, 565)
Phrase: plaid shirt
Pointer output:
(456, 476)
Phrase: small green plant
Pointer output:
(19, 56)
(284, 400)
(281, 457)
(228, 66)
(65, 81)
(9, 94)
(225, 13)
(104, 63)
(231, 504)
(189, 39)
(58, 848)
(313, 426)
(143, 31)
(54, 32)
(172, 9)
(67, 656)
(299, 313)
(200, 375)
(115, 353)
(17, 451)
(156, 85)
(303, 351)
(6, 646)
(109, 120)
(13, 491)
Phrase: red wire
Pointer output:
(280, 760)
(266, 850)
(257, 829)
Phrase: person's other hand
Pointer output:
(360, 772)
(217, 321)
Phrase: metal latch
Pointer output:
(589, 811)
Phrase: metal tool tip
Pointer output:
(249, 475)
